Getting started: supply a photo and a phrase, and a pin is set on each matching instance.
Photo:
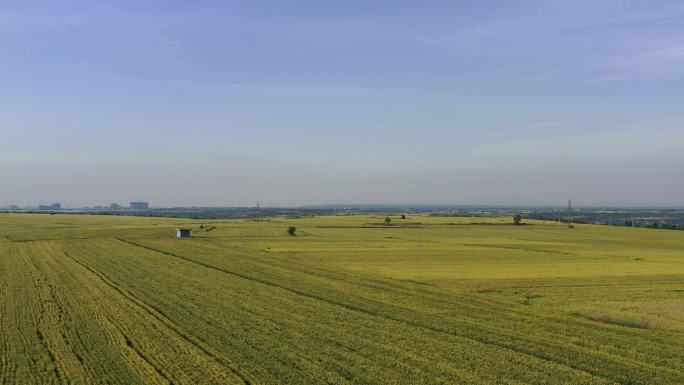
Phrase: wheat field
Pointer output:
(348, 300)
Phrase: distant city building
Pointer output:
(140, 205)
(183, 233)
(54, 206)
(115, 206)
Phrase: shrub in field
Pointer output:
(388, 221)
(292, 230)
(517, 219)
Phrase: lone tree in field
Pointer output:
(388, 221)
(403, 216)
(292, 230)
(517, 219)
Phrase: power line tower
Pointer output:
(258, 209)
(570, 213)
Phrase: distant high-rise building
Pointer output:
(140, 205)
(115, 206)
(54, 206)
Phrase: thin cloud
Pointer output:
(548, 124)
(664, 56)
(577, 18)
(607, 79)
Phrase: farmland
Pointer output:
(348, 300)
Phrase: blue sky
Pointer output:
(298, 102)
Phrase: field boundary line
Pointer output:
(515, 248)
(156, 313)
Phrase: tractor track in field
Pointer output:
(533, 250)
(484, 340)
(132, 345)
(161, 317)
(42, 338)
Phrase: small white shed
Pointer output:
(183, 233)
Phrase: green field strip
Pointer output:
(415, 295)
(25, 327)
(114, 340)
(108, 332)
(7, 365)
(647, 368)
(164, 320)
(434, 342)
(589, 358)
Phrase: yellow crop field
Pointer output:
(347, 300)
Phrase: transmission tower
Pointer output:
(570, 213)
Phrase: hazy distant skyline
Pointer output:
(222, 103)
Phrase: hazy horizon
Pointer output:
(214, 103)
(561, 205)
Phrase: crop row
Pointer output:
(62, 323)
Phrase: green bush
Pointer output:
(517, 219)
